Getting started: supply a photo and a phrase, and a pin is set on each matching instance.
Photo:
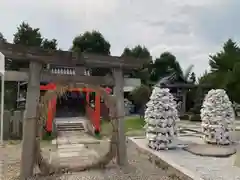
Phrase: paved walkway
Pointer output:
(72, 146)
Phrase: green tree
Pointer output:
(28, 36)
(49, 44)
(167, 64)
(92, 42)
(137, 52)
(206, 78)
(198, 94)
(140, 52)
(144, 92)
(225, 69)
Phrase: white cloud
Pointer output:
(190, 29)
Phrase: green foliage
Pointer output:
(164, 65)
(28, 36)
(225, 70)
(141, 95)
(92, 42)
(137, 52)
(49, 44)
(206, 78)
(132, 126)
(167, 64)
(140, 52)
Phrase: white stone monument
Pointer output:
(161, 116)
(218, 118)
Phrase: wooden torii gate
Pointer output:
(37, 58)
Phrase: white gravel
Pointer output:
(206, 168)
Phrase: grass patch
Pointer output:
(134, 124)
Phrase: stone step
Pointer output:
(75, 121)
(69, 156)
(70, 129)
(72, 147)
(70, 125)
(76, 141)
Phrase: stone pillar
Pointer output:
(118, 92)
(6, 125)
(29, 123)
(17, 117)
(184, 101)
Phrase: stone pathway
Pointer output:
(138, 168)
(72, 149)
(72, 146)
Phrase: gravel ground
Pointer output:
(11, 157)
(139, 168)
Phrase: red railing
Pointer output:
(92, 115)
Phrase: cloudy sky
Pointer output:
(191, 29)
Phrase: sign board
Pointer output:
(2, 64)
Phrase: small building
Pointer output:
(179, 87)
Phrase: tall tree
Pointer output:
(92, 42)
(225, 69)
(28, 36)
(167, 64)
(137, 52)
(140, 52)
(49, 44)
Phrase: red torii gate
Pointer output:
(93, 114)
